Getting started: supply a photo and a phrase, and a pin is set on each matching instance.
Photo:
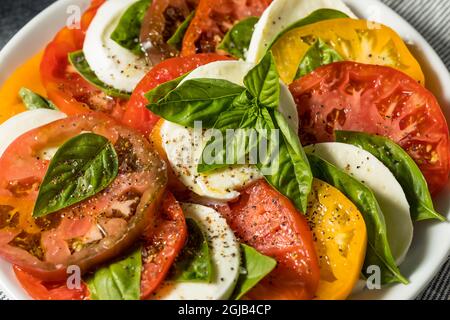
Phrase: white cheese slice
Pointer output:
(225, 254)
(23, 122)
(113, 64)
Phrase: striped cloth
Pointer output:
(430, 17)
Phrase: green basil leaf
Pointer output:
(378, 250)
(78, 61)
(127, 32)
(32, 100)
(318, 54)
(237, 39)
(120, 280)
(402, 167)
(82, 167)
(176, 40)
(263, 82)
(158, 93)
(193, 264)
(256, 266)
(289, 169)
(316, 16)
(197, 100)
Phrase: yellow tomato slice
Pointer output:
(340, 240)
(28, 76)
(355, 40)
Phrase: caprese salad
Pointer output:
(217, 149)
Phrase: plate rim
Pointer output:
(59, 6)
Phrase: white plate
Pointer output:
(431, 244)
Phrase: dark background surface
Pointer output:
(14, 14)
(430, 17)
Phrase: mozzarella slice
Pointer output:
(225, 254)
(235, 71)
(23, 122)
(280, 15)
(363, 166)
(113, 64)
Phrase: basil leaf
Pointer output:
(82, 167)
(378, 250)
(402, 167)
(318, 54)
(288, 171)
(176, 40)
(158, 93)
(120, 280)
(197, 100)
(193, 264)
(127, 32)
(316, 16)
(78, 61)
(32, 100)
(237, 39)
(256, 266)
(263, 82)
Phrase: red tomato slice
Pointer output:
(213, 19)
(91, 231)
(163, 241)
(160, 23)
(136, 115)
(65, 87)
(378, 100)
(268, 221)
(40, 290)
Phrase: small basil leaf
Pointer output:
(256, 266)
(288, 171)
(32, 100)
(237, 39)
(127, 32)
(316, 16)
(176, 39)
(193, 264)
(318, 54)
(78, 61)
(120, 280)
(402, 167)
(197, 100)
(378, 250)
(158, 93)
(263, 82)
(82, 167)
